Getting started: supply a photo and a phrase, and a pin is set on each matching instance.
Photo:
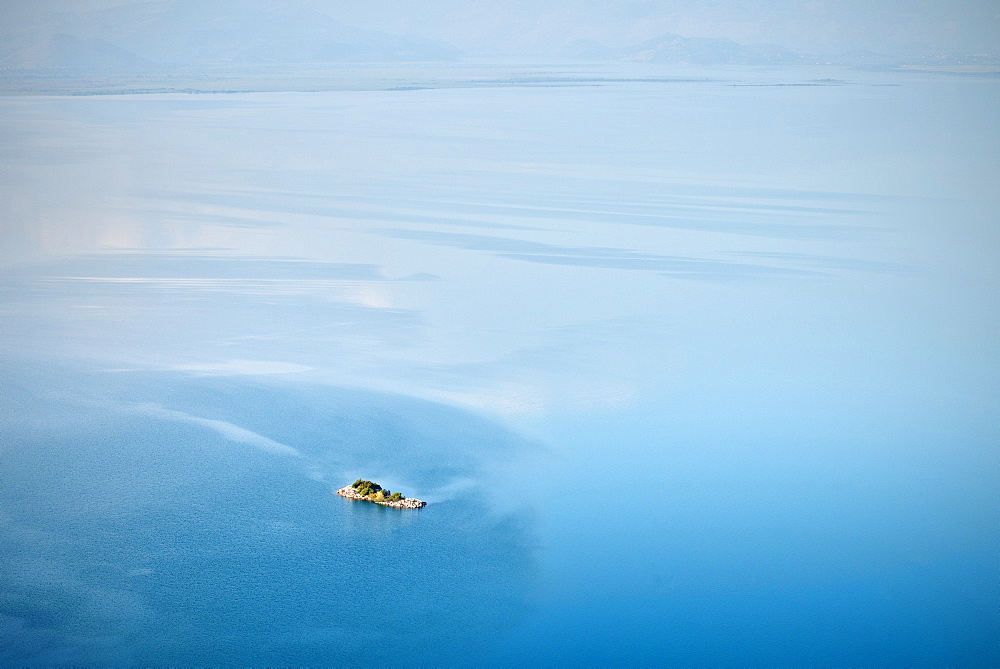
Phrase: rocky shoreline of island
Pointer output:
(368, 491)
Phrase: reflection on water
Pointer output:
(762, 317)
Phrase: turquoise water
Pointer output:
(690, 373)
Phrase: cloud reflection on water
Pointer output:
(809, 376)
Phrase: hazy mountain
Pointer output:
(674, 49)
(897, 28)
(181, 32)
(72, 53)
(127, 35)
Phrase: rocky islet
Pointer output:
(351, 492)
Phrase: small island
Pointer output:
(373, 492)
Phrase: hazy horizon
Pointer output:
(532, 27)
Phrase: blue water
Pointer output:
(135, 540)
(690, 373)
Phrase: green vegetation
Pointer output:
(366, 488)
(374, 492)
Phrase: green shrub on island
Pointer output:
(366, 488)
(374, 492)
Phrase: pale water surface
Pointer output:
(700, 369)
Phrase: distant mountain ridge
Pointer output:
(673, 49)
(66, 52)
(191, 33)
(164, 34)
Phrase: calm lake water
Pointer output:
(692, 367)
